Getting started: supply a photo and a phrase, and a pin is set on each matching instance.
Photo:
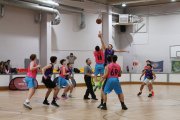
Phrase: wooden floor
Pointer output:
(164, 106)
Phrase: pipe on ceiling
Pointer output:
(47, 3)
(1, 10)
(18, 3)
(70, 8)
(83, 21)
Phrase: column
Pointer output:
(107, 26)
(45, 39)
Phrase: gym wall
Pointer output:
(162, 32)
(19, 35)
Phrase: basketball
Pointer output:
(98, 21)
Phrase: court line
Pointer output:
(104, 116)
(21, 113)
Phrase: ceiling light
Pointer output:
(124, 5)
(173, 0)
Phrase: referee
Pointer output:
(88, 74)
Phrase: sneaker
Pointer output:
(150, 95)
(94, 99)
(86, 98)
(124, 107)
(100, 106)
(27, 105)
(64, 97)
(139, 93)
(103, 107)
(54, 104)
(46, 102)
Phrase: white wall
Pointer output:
(67, 37)
(19, 35)
(162, 32)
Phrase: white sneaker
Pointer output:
(27, 105)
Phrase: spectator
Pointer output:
(2, 68)
(7, 67)
(71, 58)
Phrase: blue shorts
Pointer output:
(30, 82)
(113, 84)
(99, 69)
(62, 82)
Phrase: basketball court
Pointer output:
(165, 105)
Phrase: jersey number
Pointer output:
(99, 57)
(114, 72)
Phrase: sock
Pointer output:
(63, 94)
(122, 104)
(101, 101)
(46, 98)
(27, 101)
(54, 99)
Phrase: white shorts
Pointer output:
(147, 81)
(69, 82)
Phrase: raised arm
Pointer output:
(101, 39)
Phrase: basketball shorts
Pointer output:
(30, 82)
(112, 84)
(99, 69)
(48, 82)
(62, 82)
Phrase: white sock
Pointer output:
(27, 101)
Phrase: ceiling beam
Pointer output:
(87, 5)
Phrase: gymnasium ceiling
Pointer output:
(133, 2)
